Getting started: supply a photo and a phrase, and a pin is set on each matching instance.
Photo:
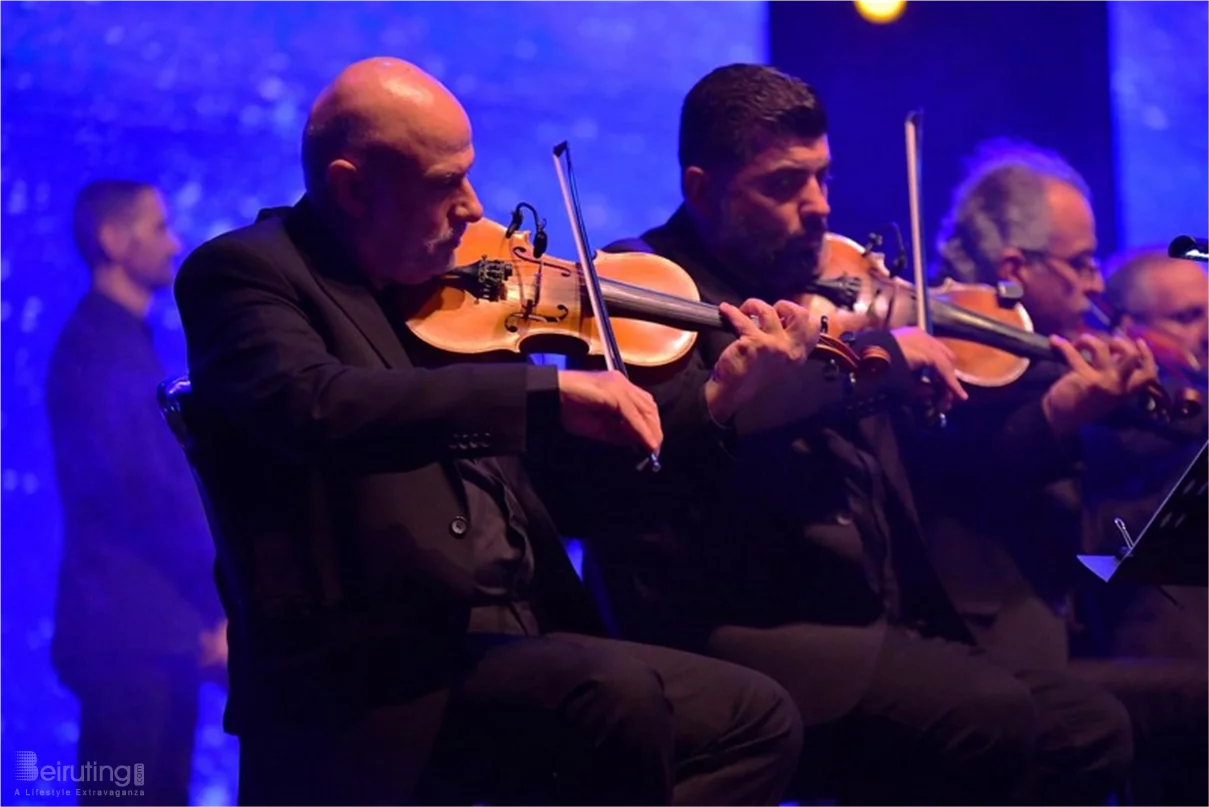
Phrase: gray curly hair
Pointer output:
(1000, 204)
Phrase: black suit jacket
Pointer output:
(136, 581)
(328, 458)
(719, 537)
(1000, 496)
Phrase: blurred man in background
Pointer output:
(138, 620)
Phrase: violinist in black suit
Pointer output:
(1009, 518)
(799, 553)
(404, 624)
(1006, 514)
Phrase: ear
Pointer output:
(346, 188)
(114, 240)
(1011, 266)
(696, 187)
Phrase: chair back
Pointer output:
(173, 396)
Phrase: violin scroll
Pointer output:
(872, 361)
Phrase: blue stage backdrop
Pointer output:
(1160, 88)
(208, 100)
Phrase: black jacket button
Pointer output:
(459, 526)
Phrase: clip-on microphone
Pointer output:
(540, 239)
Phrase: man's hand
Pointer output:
(1114, 370)
(214, 646)
(780, 339)
(608, 407)
(924, 351)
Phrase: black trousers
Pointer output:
(1168, 703)
(140, 719)
(554, 719)
(944, 723)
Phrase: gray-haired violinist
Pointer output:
(1009, 515)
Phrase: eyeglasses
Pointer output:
(1085, 265)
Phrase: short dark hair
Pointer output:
(98, 203)
(736, 111)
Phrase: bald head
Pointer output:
(387, 152)
(380, 107)
(1171, 295)
(1125, 288)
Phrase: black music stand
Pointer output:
(1173, 548)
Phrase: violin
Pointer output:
(989, 332)
(987, 328)
(1174, 360)
(501, 296)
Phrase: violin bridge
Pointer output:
(514, 320)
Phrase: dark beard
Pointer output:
(773, 271)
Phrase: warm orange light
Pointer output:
(881, 10)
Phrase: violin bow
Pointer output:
(923, 303)
(604, 326)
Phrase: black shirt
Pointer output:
(495, 522)
(497, 530)
(137, 574)
(828, 477)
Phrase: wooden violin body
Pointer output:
(988, 330)
(1173, 358)
(1175, 362)
(502, 297)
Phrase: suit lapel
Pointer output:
(367, 314)
(362, 308)
(351, 293)
(332, 267)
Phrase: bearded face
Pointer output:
(769, 219)
(769, 256)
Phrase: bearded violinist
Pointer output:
(798, 553)
(1006, 517)
(404, 624)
